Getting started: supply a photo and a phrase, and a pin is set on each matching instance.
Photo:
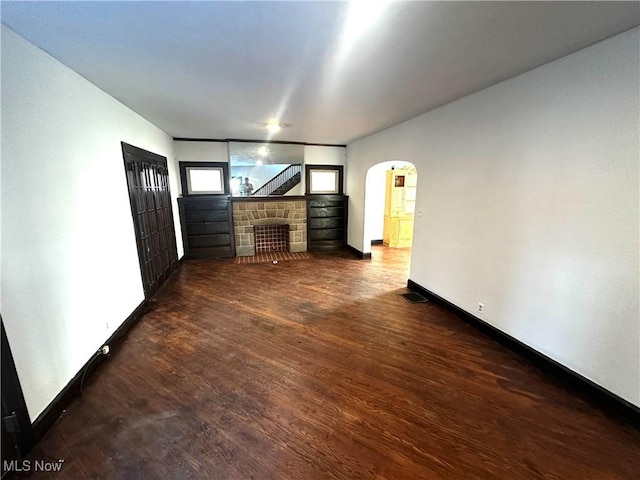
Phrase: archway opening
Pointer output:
(390, 189)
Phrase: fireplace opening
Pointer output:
(271, 238)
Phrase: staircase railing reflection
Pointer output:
(287, 175)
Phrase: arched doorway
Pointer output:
(377, 196)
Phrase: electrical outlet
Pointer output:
(106, 326)
(480, 307)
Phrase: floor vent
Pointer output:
(414, 297)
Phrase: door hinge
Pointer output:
(10, 422)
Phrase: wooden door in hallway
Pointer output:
(150, 198)
(17, 435)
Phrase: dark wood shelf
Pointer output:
(326, 222)
(207, 226)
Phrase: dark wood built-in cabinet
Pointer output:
(207, 226)
(326, 222)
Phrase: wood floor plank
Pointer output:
(320, 369)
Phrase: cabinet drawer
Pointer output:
(327, 201)
(211, 252)
(194, 216)
(328, 222)
(207, 228)
(192, 204)
(327, 234)
(325, 245)
(326, 212)
(200, 241)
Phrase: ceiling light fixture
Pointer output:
(273, 125)
(263, 151)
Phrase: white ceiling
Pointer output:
(215, 69)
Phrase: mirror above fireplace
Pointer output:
(265, 169)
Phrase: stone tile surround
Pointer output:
(247, 213)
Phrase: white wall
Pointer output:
(187, 151)
(530, 193)
(321, 155)
(70, 272)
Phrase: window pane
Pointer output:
(205, 180)
(324, 181)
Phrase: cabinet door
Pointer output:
(326, 222)
(207, 226)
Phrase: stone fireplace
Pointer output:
(249, 212)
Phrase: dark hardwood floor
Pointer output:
(319, 369)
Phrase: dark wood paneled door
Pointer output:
(150, 197)
(17, 435)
